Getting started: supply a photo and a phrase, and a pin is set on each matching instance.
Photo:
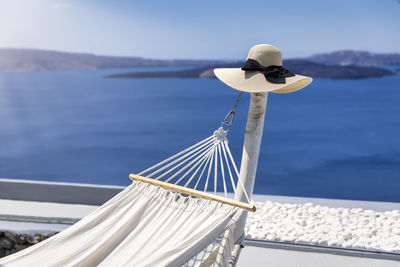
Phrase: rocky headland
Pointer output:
(356, 58)
(43, 60)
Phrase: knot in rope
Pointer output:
(220, 136)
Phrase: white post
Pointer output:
(251, 151)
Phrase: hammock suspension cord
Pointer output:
(208, 158)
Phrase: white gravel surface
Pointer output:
(314, 224)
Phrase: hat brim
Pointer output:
(255, 82)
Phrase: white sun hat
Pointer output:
(262, 72)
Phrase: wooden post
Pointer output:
(251, 151)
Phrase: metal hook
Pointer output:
(231, 115)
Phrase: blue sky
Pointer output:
(200, 29)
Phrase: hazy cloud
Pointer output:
(62, 5)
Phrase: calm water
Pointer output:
(334, 139)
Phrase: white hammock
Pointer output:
(147, 225)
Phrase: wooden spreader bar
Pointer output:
(193, 192)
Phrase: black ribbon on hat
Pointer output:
(273, 74)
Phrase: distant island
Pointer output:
(357, 58)
(336, 65)
(298, 66)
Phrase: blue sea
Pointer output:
(333, 139)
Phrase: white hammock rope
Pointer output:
(210, 157)
(176, 155)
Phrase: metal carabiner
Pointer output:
(231, 115)
(229, 118)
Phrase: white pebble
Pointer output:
(315, 224)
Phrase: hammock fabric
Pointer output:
(147, 225)
(144, 225)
